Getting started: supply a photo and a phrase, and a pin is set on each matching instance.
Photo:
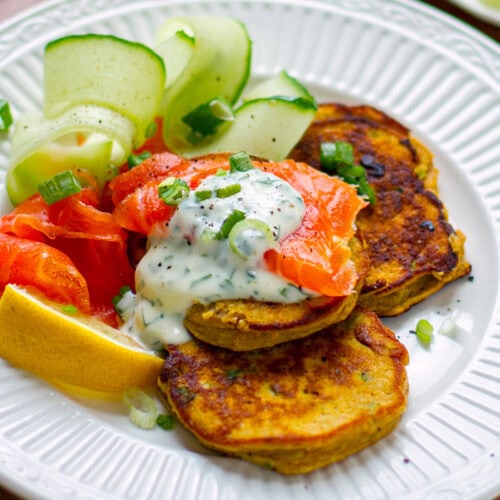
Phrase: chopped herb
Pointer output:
(206, 118)
(60, 186)
(173, 190)
(337, 158)
(201, 280)
(5, 116)
(227, 191)
(202, 195)
(233, 374)
(421, 173)
(142, 408)
(424, 331)
(226, 283)
(116, 299)
(134, 160)
(239, 246)
(240, 162)
(69, 309)
(184, 394)
(208, 235)
(166, 422)
(333, 154)
(233, 218)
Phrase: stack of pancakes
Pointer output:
(297, 387)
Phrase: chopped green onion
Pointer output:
(143, 409)
(334, 153)
(248, 225)
(240, 162)
(228, 224)
(151, 130)
(221, 172)
(203, 195)
(69, 309)
(223, 192)
(123, 290)
(124, 303)
(208, 235)
(205, 119)
(337, 158)
(448, 324)
(227, 191)
(5, 116)
(424, 331)
(60, 186)
(173, 190)
(166, 422)
(233, 374)
(134, 160)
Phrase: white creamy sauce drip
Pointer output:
(187, 266)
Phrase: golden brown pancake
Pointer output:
(293, 407)
(413, 249)
(243, 325)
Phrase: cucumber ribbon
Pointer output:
(212, 63)
(101, 93)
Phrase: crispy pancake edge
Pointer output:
(294, 407)
(244, 325)
(413, 249)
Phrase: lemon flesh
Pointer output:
(71, 350)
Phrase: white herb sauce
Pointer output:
(187, 266)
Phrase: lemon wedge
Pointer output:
(73, 351)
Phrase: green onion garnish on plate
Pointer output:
(424, 331)
(240, 162)
(237, 240)
(133, 160)
(60, 186)
(233, 218)
(337, 158)
(142, 408)
(5, 116)
(206, 118)
(173, 190)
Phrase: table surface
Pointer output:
(10, 7)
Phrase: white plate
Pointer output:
(480, 10)
(440, 79)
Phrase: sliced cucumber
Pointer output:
(273, 117)
(175, 44)
(52, 159)
(107, 71)
(217, 66)
(41, 148)
(267, 128)
(280, 85)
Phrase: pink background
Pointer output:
(9, 8)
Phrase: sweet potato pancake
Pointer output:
(293, 407)
(243, 325)
(413, 249)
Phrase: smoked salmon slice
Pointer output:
(33, 263)
(71, 236)
(316, 256)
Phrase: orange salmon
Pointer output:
(315, 256)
